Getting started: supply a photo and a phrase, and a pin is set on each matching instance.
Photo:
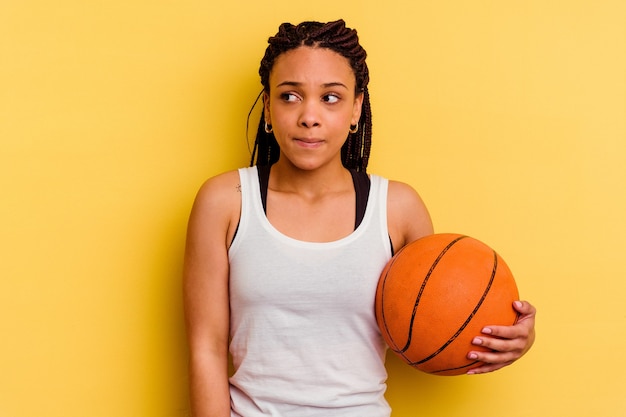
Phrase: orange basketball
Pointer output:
(436, 294)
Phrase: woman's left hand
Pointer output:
(506, 343)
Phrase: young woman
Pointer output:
(283, 258)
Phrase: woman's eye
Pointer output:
(289, 97)
(330, 98)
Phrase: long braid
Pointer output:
(266, 148)
(336, 37)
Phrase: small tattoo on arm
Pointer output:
(238, 188)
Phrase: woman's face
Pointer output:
(311, 105)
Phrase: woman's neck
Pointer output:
(285, 177)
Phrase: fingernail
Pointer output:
(487, 330)
(472, 356)
(477, 341)
(518, 304)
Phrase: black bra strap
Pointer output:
(264, 179)
(360, 180)
(362, 189)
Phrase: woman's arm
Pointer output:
(205, 287)
(408, 220)
(407, 216)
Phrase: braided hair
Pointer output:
(338, 38)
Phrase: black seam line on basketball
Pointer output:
(382, 299)
(471, 316)
(421, 291)
(455, 369)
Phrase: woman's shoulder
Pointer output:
(220, 187)
(219, 198)
(408, 217)
(403, 195)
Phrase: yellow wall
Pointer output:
(508, 116)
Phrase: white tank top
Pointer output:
(304, 338)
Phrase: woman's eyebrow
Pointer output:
(299, 84)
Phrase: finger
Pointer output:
(494, 358)
(524, 307)
(500, 345)
(521, 329)
(487, 368)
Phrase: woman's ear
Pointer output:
(356, 110)
(266, 108)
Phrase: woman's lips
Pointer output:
(309, 142)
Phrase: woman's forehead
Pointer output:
(312, 65)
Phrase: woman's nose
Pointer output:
(310, 116)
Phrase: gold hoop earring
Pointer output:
(354, 129)
(268, 128)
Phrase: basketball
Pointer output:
(436, 294)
